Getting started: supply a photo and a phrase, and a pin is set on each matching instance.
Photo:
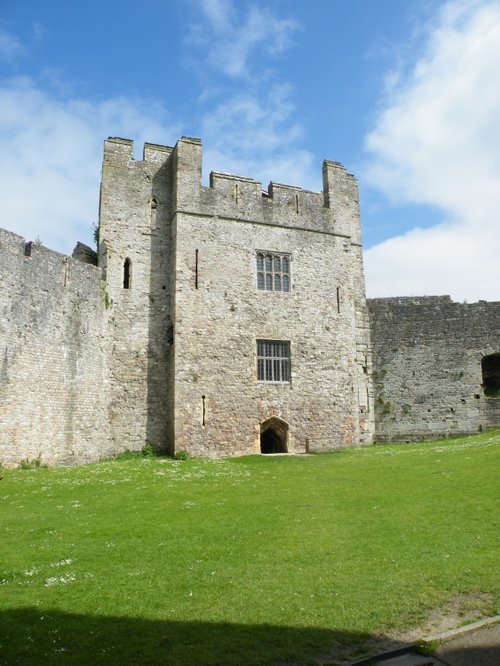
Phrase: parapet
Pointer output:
(116, 148)
(154, 153)
(410, 301)
(41, 265)
(335, 210)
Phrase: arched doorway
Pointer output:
(274, 436)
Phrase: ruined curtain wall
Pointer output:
(53, 373)
(427, 355)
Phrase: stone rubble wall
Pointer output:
(53, 377)
(427, 366)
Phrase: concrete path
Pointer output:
(476, 644)
(479, 647)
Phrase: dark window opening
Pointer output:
(27, 249)
(196, 269)
(490, 366)
(170, 333)
(127, 274)
(273, 436)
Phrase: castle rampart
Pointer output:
(53, 379)
(428, 366)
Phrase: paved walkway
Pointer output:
(480, 647)
(477, 644)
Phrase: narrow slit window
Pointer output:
(154, 210)
(196, 269)
(127, 273)
(273, 271)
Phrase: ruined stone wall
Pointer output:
(53, 377)
(220, 313)
(427, 366)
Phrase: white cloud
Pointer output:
(257, 137)
(437, 141)
(51, 158)
(230, 40)
(52, 141)
(10, 47)
(247, 123)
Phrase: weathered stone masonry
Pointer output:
(160, 342)
(184, 334)
(429, 354)
(53, 377)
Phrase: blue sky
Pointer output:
(405, 94)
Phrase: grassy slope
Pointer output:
(256, 560)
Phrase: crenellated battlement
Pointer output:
(123, 149)
(335, 210)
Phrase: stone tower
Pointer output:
(136, 253)
(237, 316)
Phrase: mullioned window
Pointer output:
(273, 271)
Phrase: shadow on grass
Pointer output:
(31, 636)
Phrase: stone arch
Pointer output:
(490, 368)
(273, 436)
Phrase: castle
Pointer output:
(226, 320)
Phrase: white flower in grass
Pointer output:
(59, 580)
(32, 571)
(62, 563)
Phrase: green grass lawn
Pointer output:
(256, 560)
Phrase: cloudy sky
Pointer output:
(405, 94)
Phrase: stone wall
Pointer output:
(135, 214)
(220, 313)
(427, 366)
(158, 343)
(53, 378)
